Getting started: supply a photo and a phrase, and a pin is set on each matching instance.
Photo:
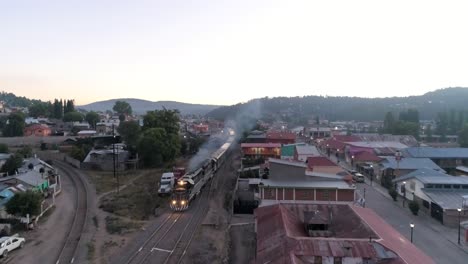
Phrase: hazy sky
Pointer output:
(225, 52)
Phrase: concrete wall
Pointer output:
(311, 194)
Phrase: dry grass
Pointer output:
(105, 181)
(138, 200)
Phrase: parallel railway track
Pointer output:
(69, 249)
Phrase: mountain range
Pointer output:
(142, 106)
(345, 108)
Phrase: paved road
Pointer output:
(436, 240)
(428, 235)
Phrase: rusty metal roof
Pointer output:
(282, 237)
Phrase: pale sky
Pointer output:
(225, 52)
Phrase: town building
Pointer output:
(329, 233)
(437, 193)
(38, 130)
(261, 150)
(302, 152)
(281, 137)
(293, 181)
(446, 158)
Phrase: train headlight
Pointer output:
(183, 202)
(174, 202)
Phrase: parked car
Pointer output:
(358, 177)
(8, 244)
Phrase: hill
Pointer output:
(142, 106)
(348, 108)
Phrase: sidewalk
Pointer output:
(450, 234)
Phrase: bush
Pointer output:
(414, 207)
(393, 193)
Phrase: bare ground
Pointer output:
(131, 209)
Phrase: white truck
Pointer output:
(167, 183)
(8, 244)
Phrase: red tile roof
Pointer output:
(281, 135)
(281, 235)
(319, 161)
(366, 156)
(344, 138)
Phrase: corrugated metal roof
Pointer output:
(409, 163)
(307, 150)
(281, 236)
(420, 174)
(449, 199)
(429, 152)
(319, 161)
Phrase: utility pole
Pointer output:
(113, 157)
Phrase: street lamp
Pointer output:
(412, 227)
(459, 213)
(403, 189)
(352, 161)
(371, 174)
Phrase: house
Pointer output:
(292, 181)
(319, 161)
(261, 150)
(103, 159)
(390, 168)
(281, 137)
(256, 136)
(437, 193)
(86, 133)
(287, 151)
(38, 130)
(34, 179)
(446, 158)
(329, 233)
(461, 170)
(302, 152)
(319, 132)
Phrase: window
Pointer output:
(337, 260)
(429, 186)
(438, 186)
(447, 186)
(465, 186)
(412, 185)
(456, 186)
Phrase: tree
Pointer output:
(39, 109)
(92, 118)
(389, 122)
(25, 151)
(414, 207)
(25, 203)
(429, 133)
(57, 109)
(122, 117)
(12, 164)
(165, 119)
(442, 123)
(73, 117)
(69, 106)
(463, 137)
(15, 125)
(122, 107)
(130, 132)
(152, 146)
(3, 148)
(393, 193)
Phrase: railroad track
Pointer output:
(160, 246)
(69, 249)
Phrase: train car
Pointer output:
(192, 183)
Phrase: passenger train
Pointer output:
(191, 184)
